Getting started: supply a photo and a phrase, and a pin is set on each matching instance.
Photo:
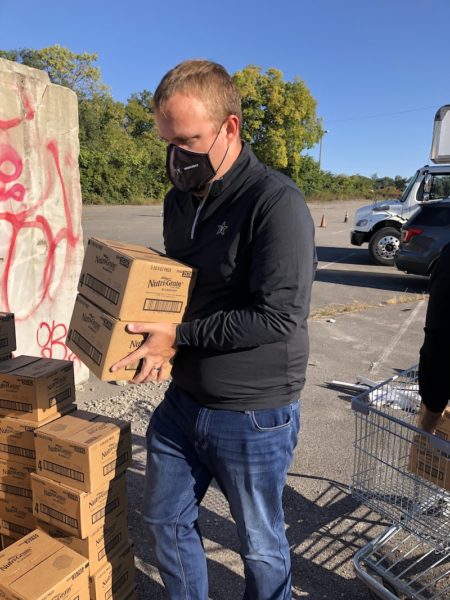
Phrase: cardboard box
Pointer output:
(100, 340)
(13, 530)
(16, 515)
(6, 541)
(83, 450)
(7, 334)
(35, 388)
(431, 464)
(15, 479)
(443, 429)
(135, 283)
(116, 578)
(100, 545)
(79, 513)
(17, 437)
(40, 568)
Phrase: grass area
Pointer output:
(98, 201)
(404, 298)
(331, 310)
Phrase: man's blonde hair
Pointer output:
(205, 80)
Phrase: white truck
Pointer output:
(379, 224)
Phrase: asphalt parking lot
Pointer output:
(366, 320)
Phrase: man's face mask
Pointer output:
(190, 171)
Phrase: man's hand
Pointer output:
(428, 420)
(155, 352)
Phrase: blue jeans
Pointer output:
(248, 454)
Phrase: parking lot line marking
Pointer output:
(395, 340)
(336, 261)
(340, 231)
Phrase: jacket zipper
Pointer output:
(197, 213)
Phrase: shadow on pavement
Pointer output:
(395, 281)
(323, 535)
(350, 256)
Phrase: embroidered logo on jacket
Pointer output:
(221, 229)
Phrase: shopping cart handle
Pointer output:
(360, 405)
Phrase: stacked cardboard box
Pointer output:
(122, 284)
(35, 389)
(7, 335)
(33, 392)
(38, 567)
(79, 496)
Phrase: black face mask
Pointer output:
(190, 171)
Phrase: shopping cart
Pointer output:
(401, 472)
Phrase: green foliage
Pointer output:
(323, 185)
(64, 67)
(122, 159)
(279, 118)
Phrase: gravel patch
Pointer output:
(133, 403)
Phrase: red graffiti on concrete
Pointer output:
(28, 113)
(9, 157)
(51, 340)
(30, 218)
(49, 337)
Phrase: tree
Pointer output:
(140, 119)
(400, 182)
(64, 67)
(279, 118)
(150, 169)
(310, 176)
(121, 157)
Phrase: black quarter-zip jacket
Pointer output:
(243, 343)
(434, 379)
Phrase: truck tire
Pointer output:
(384, 245)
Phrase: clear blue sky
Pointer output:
(378, 69)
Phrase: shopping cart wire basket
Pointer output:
(402, 473)
(399, 470)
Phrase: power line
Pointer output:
(389, 114)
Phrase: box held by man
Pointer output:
(99, 340)
(135, 283)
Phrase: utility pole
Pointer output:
(320, 146)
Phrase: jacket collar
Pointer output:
(242, 162)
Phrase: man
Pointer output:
(231, 412)
(434, 380)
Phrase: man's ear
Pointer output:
(232, 128)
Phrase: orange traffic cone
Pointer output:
(322, 222)
(346, 217)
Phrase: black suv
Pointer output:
(423, 237)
